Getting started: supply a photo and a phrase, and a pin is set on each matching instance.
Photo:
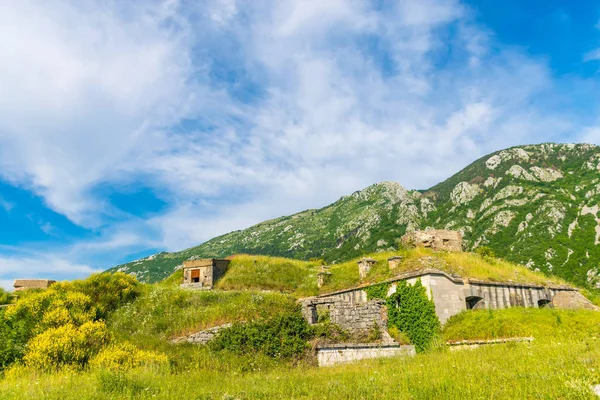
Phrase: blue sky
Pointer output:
(128, 128)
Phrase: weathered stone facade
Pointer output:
(24, 284)
(439, 239)
(572, 301)
(452, 294)
(359, 319)
(203, 273)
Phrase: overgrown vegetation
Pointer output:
(544, 324)
(514, 371)
(411, 311)
(5, 297)
(283, 337)
(264, 354)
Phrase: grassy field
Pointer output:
(513, 371)
(562, 362)
(161, 313)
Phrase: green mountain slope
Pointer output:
(535, 205)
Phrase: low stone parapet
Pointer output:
(343, 353)
(194, 286)
(473, 344)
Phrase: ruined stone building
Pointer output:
(24, 284)
(439, 239)
(451, 294)
(203, 273)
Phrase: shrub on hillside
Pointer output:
(5, 297)
(485, 251)
(50, 327)
(411, 311)
(282, 337)
(107, 291)
(125, 356)
(66, 345)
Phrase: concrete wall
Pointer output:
(343, 353)
(452, 294)
(448, 296)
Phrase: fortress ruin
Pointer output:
(25, 284)
(436, 239)
(203, 273)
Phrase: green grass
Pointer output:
(299, 278)
(562, 362)
(543, 324)
(467, 265)
(514, 371)
(161, 313)
(249, 272)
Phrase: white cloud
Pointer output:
(592, 55)
(82, 86)
(349, 95)
(6, 205)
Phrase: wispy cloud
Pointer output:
(6, 205)
(234, 112)
(592, 55)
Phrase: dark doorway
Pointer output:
(544, 303)
(475, 303)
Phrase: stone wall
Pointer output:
(573, 301)
(359, 319)
(344, 353)
(201, 337)
(452, 294)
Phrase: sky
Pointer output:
(129, 128)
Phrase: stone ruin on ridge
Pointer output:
(25, 284)
(436, 239)
(203, 273)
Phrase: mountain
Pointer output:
(536, 205)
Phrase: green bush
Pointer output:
(282, 337)
(411, 311)
(5, 297)
(485, 251)
(13, 339)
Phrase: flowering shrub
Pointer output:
(66, 345)
(125, 356)
(62, 325)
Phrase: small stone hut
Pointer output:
(203, 273)
(436, 239)
(24, 284)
